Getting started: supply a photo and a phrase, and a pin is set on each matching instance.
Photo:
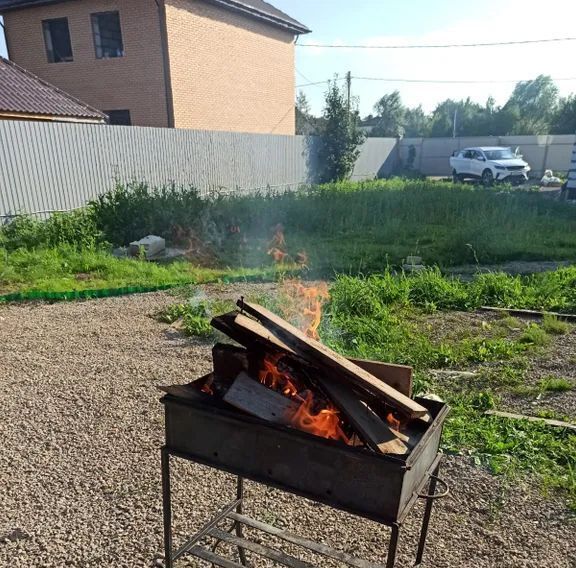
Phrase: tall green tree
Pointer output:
(306, 123)
(537, 103)
(416, 122)
(564, 121)
(340, 139)
(390, 115)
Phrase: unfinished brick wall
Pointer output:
(134, 82)
(229, 72)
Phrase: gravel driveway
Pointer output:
(81, 426)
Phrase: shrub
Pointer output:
(551, 324)
(132, 211)
(498, 290)
(76, 228)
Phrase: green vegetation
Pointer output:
(551, 324)
(65, 268)
(376, 318)
(194, 316)
(555, 384)
(346, 227)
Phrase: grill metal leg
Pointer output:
(167, 508)
(426, 520)
(238, 524)
(393, 546)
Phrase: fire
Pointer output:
(393, 422)
(207, 389)
(325, 423)
(305, 305)
(277, 246)
(314, 415)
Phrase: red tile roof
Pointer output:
(21, 92)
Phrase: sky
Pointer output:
(388, 22)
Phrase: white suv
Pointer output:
(489, 164)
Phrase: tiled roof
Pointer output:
(267, 9)
(21, 92)
(256, 8)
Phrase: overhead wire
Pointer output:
(440, 46)
(431, 81)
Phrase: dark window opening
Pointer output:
(119, 117)
(57, 40)
(107, 35)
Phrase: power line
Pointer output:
(432, 81)
(440, 46)
(452, 81)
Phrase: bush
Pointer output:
(130, 212)
(77, 229)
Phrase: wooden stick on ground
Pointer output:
(548, 421)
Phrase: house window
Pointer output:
(57, 40)
(119, 117)
(107, 35)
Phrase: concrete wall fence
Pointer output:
(48, 167)
(547, 152)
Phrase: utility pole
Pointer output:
(455, 123)
(348, 91)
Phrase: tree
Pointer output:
(537, 102)
(390, 114)
(564, 121)
(306, 123)
(339, 141)
(416, 123)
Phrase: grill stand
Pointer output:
(233, 512)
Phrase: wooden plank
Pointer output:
(398, 377)
(256, 399)
(370, 427)
(292, 538)
(271, 553)
(229, 360)
(547, 421)
(325, 357)
(254, 329)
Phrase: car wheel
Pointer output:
(456, 177)
(487, 178)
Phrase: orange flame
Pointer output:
(393, 422)
(306, 305)
(325, 423)
(314, 415)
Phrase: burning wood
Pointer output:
(288, 377)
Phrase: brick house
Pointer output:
(203, 64)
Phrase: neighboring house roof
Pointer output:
(255, 8)
(24, 94)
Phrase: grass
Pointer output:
(555, 384)
(348, 227)
(385, 318)
(551, 324)
(65, 269)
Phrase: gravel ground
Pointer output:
(81, 427)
